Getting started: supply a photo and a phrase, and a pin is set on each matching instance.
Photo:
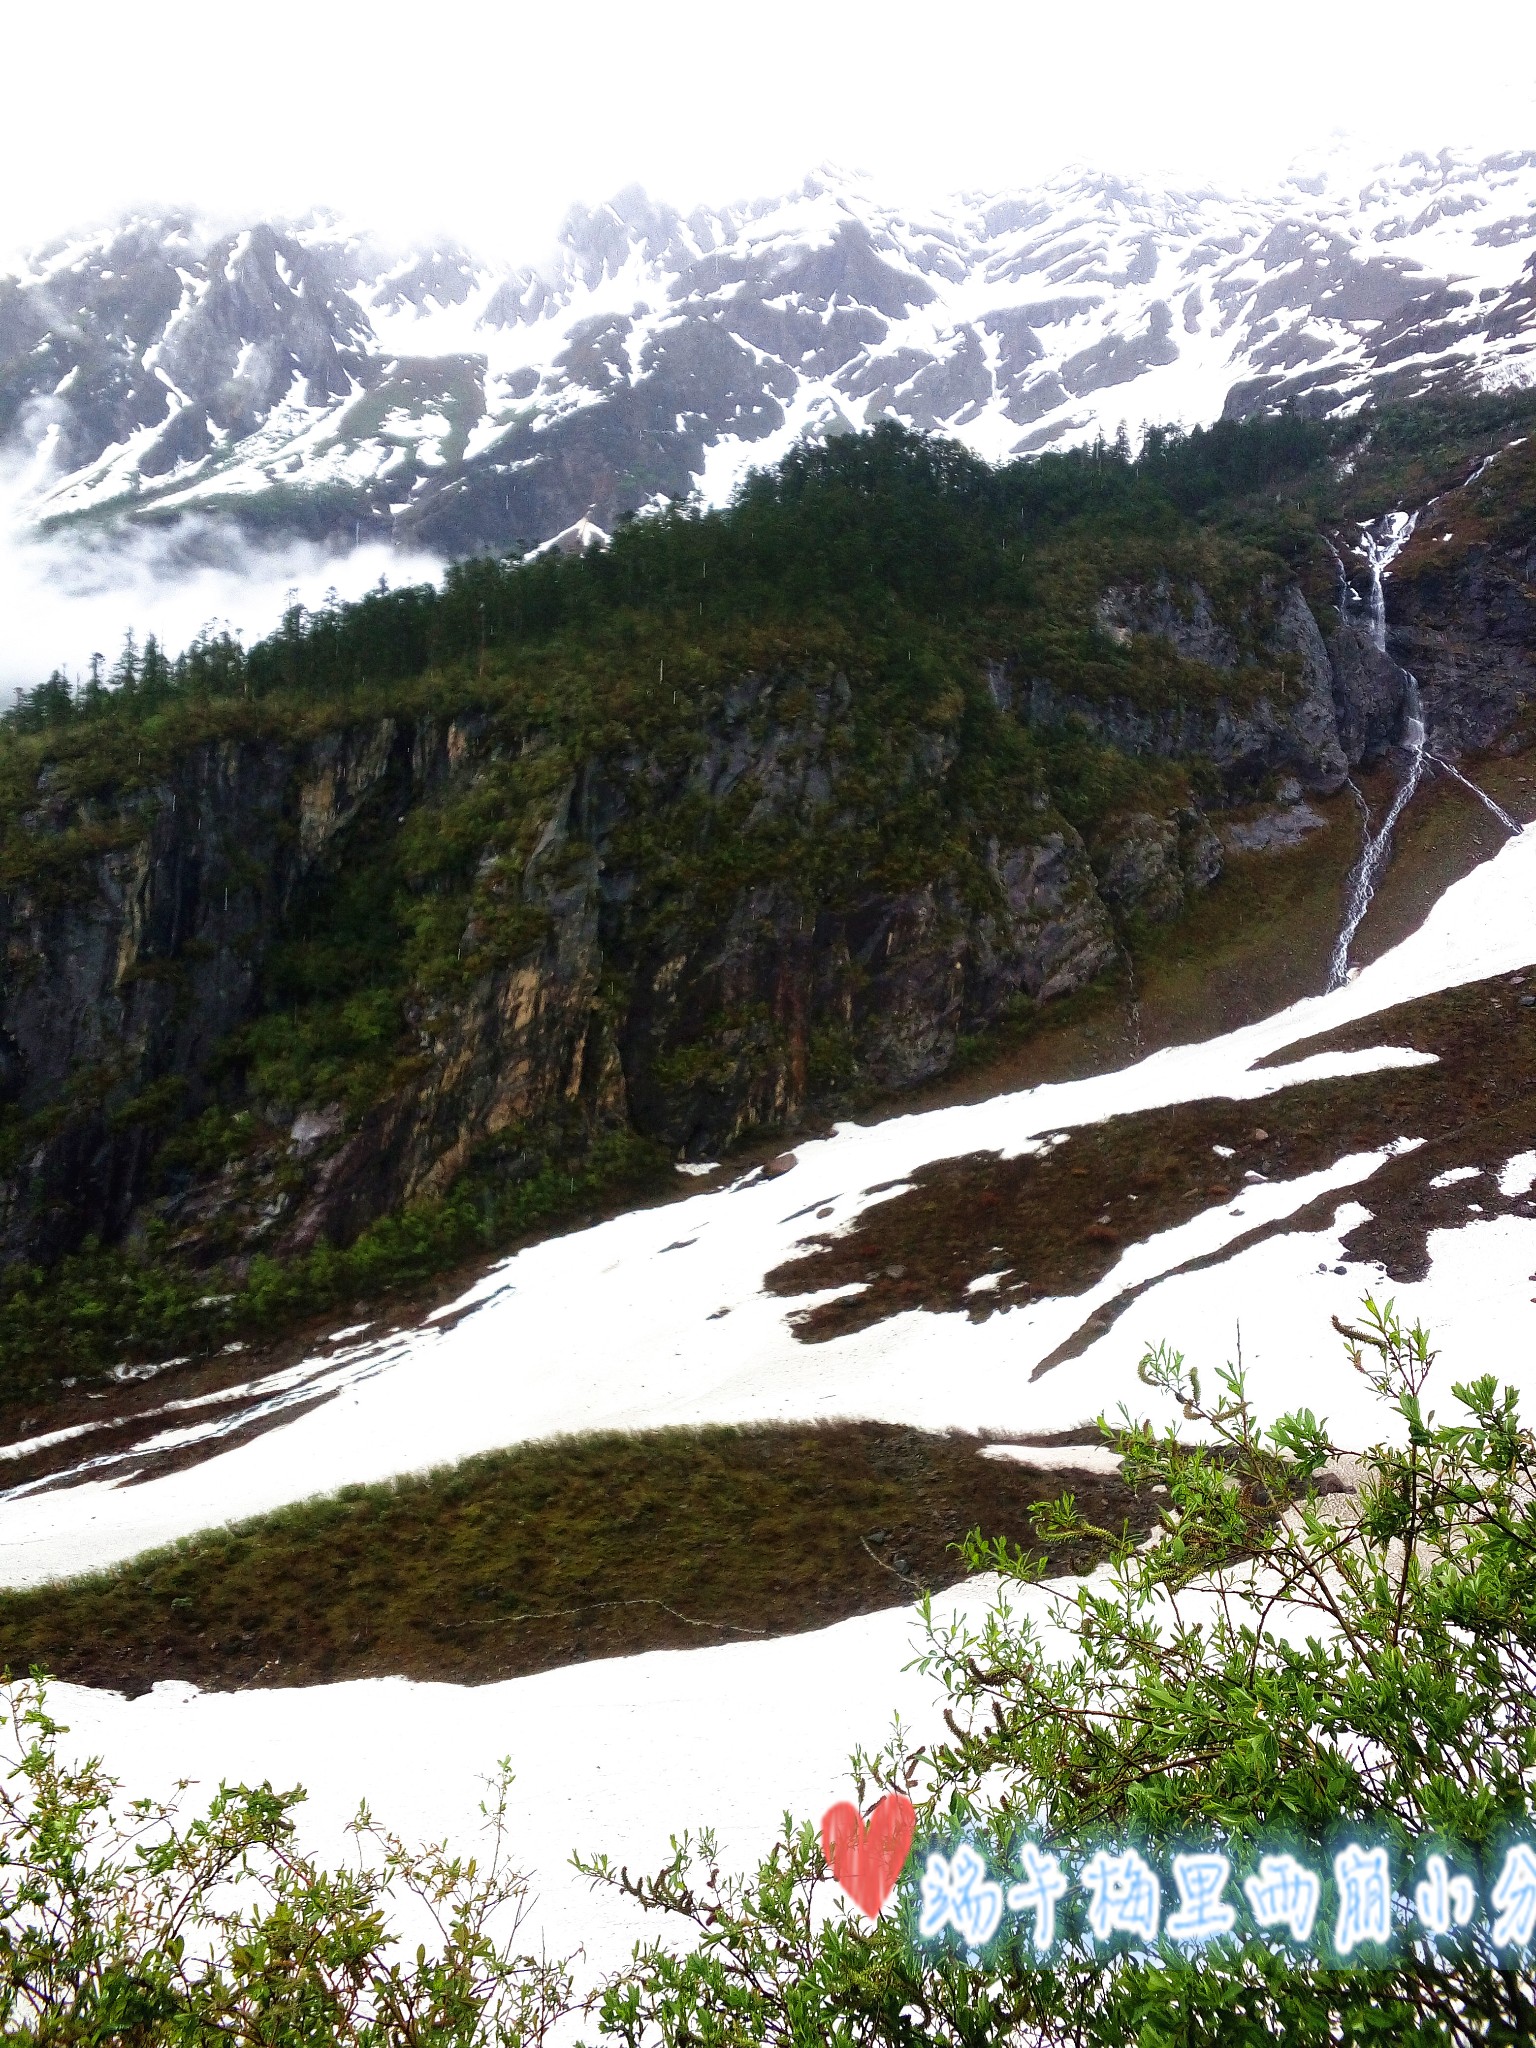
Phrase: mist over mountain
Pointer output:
(314, 385)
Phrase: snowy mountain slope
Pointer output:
(316, 383)
(615, 1755)
(608, 1753)
(530, 1352)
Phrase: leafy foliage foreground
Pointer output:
(1281, 1660)
(125, 1923)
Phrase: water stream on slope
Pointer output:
(1378, 551)
(1511, 825)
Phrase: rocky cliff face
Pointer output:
(1467, 630)
(130, 961)
(693, 941)
(135, 951)
(135, 946)
(1368, 688)
(1263, 724)
(1460, 615)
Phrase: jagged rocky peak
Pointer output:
(304, 372)
(603, 238)
(270, 314)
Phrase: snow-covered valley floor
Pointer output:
(621, 1326)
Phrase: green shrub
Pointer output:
(124, 1925)
(1278, 1661)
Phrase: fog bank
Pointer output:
(65, 598)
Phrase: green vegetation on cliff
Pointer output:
(428, 920)
(883, 535)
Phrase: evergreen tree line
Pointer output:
(851, 527)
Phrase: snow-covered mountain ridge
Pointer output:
(309, 381)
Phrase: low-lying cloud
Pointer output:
(65, 597)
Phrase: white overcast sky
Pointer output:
(487, 120)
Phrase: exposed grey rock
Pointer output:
(1150, 866)
(1312, 718)
(1185, 620)
(1289, 726)
(1200, 852)
(1469, 634)
(1118, 359)
(1368, 689)
(1273, 830)
(1051, 937)
(1139, 869)
(312, 1127)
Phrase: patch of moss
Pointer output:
(596, 1546)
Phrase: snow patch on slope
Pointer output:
(531, 1350)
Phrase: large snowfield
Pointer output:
(619, 1326)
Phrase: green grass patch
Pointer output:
(554, 1552)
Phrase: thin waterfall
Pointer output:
(1378, 608)
(1378, 845)
(1378, 549)
(1378, 555)
(1511, 825)
(1378, 552)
